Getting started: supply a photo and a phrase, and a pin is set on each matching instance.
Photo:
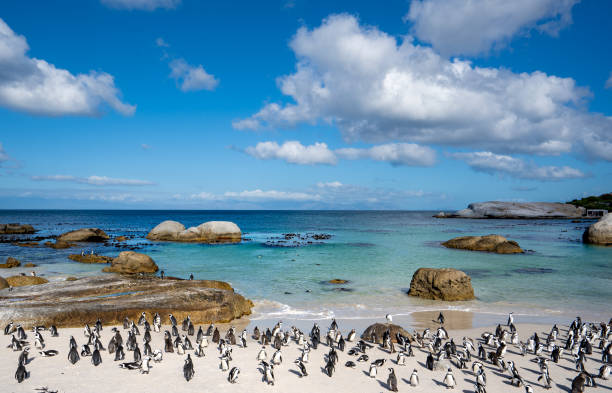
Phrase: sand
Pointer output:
(58, 374)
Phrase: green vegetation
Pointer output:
(603, 201)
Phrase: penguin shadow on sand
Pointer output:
(367, 374)
(299, 374)
(263, 373)
(383, 384)
(438, 383)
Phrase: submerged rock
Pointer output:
(524, 210)
(441, 284)
(16, 229)
(10, 263)
(380, 328)
(600, 232)
(90, 258)
(112, 298)
(59, 245)
(338, 281)
(84, 235)
(23, 281)
(130, 262)
(490, 243)
(26, 244)
(208, 232)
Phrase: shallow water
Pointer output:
(376, 251)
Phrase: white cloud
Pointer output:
(145, 146)
(609, 82)
(146, 5)
(32, 85)
(94, 180)
(331, 184)
(378, 90)
(460, 27)
(192, 78)
(161, 43)
(506, 165)
(395, 153)
(293, 152)
(272, 195)
(3, 155)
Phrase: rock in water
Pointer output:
(381, 328)
(441, 284)
(16, 229)
(113, 297)
(3, 283)
(130, 262)
(208, 232)
(600, 232)
(84, 235)
(59, 245)
(24, 281)
(490, 243)
(90, 258)
(524, 210)
(10, 263)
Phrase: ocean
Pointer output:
(376, 251)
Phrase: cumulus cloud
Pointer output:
(609, 82)
(293, 152)
(459, 27)
(93, 180)
(397, 154)
(145, 5)
(161, 43)
(32, 85)
(378, 90)
(506, 165)
(330, 184)
(191, 78)
(257, 195)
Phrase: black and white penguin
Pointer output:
(186, 323)
(21, 373)
(96, 359)
(99, 325)
(363, 358)
(277, 357)
(429, 363)
(414, 378)
(350, 364)
(23, 357)
(302, 368)
(137, 354)
(330, 367)
(510, 319)
(216, 336)
(351, 336)
(372, 371)
(53, 331)
(119, 353)
(142, 319)
(262, 354)
(156, 323)
(168, 347)
(233, 375)
(392, 380)
(146, 365)
(210, 330)
(441, 319)
(73, 355)
(158, 356)
(9, 328)
(224, 364)
(146, 348)
(449, 379)
(401, 359)
(49, 353)
(85, 350)
(268, 373)
(188, 371)
(172, 319)
(604, 372)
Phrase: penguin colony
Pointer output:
(441, 353)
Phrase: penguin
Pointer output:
(305, 353)
(147, 349)
(224, 364)
(99, 325)
(137, 354)
(119, 353)
(185, 325)
(49, 353)
(481, 378)
(414, 378)
(401, 359)
(277, 357)
(216, 336)
(172, 319)
(73, 355)
(256, 333)
(158, 356)
(350, 364)
(85, 351)
(546, 377)
(363, 358)
(330, 367)
(145, 366)
(501, 350)
(441, 319)
(528, 389)
(392, 380)
(9, 328)
(21, 373)
(23, 357)
(268, 373)
(210, 329)
(341, 344)
(142, 319)
(96, 359)
(168, 347)
(351, 336)
(53, 331)
(188, 371)
(449, 379)
(302, 368)
(187, 343)
(429, 363)
(372, 372)
(190, 329)
(157, 323)
(262, 354)
(233, 375)
(174, 331)
(180, 349)
(604, 372)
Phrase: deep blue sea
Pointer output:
(377, 251)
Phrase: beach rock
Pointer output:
(84, 235)
(130, 262)
(23, 281)
(381, 328)
(26, 244)
(441, 284)
(120, 238)
(491, 243)
(10, 263)
(518, 210)
(71, 278)
(600, 232)
(16, 229)
(59, 245)
(338, 281)
(114, 297)
(208, 232)
(30, 264)
(3, 283)
(90, 258)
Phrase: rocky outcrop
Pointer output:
(380, 328)
(84, 235)
(24, 281)
(3, 283)
(490, 243)
(517, 210)
(10, 263)
(338, 281)
(90, 258)
(120, 239)
(114, 297)
(208, 232)
(16, 229)
(441, 284)
(27, 244)
(130, 262)
(59, 245)
(600, 232)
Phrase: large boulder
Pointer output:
(23, 281)
(380, 328)
(83, 235)
(519, 210)
(90, 258)
(441, 284)
(600, 232)
(130, 262)
(3, 283)
(490, 243)
(16, 229)
(10, 263)
(112, 298)
(208, 232)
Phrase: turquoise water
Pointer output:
(376, 251)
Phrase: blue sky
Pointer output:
(422, 104)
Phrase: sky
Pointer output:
(301, 104)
